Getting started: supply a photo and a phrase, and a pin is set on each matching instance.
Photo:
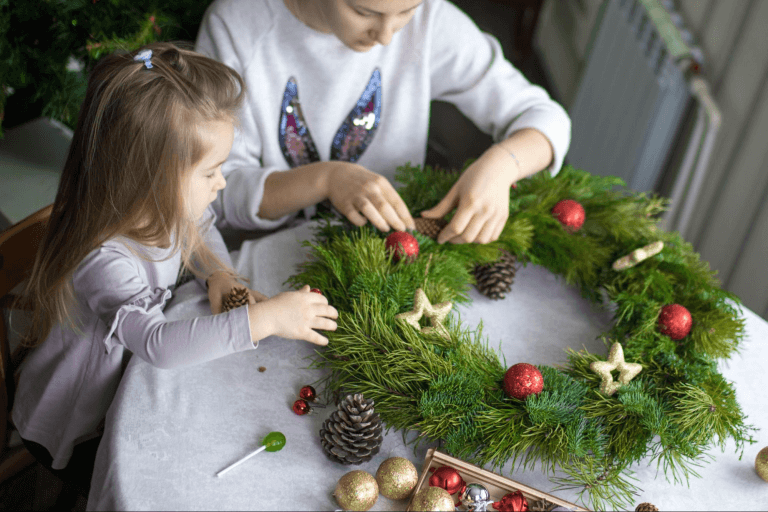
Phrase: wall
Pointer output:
(730, 221)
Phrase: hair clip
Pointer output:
(145, 56)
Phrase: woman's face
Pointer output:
(361, 24)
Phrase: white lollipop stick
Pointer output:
(235, 464)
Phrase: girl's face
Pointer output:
(205, 179)
(361, 24)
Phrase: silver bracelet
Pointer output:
(512, 155)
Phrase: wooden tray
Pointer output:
(497, 485)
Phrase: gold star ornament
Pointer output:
(436, 314)
(627, 371)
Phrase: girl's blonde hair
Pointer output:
(135, 141)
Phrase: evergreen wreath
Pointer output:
(451, 389)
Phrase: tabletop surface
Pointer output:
(169, 431)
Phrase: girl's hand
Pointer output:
(362, 195)
(482, 197)
(219, 286)
(293, 315)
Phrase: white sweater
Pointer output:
(290, 68)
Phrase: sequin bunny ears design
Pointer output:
(144, 56)
(352, 138)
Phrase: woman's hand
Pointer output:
(219, 286)
(362, 195)
(482, 197)
(293, 315)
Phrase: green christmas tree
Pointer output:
(47, 48)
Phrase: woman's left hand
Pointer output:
(482, 197)
(482, 192)
(219, 286)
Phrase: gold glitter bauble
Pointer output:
(357, 490)
(396, 477)
(433, 498)
(761, 463)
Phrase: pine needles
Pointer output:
(677, 409)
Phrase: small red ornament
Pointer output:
(301, 407)
(675, 321)
(523, 380)
(447, 478)
(316, 290)
(512, 502)
(570, 214)
(308, 393)
(402, 244)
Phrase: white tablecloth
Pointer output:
(169, 431)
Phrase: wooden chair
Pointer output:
(18, 246)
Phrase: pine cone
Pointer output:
(235, 298)
(494, 280)
(646, 507)
(352, 434)
(429, 227)
(540, 506)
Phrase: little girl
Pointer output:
(131, 210)
(340, 94)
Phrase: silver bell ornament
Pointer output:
(476, 498)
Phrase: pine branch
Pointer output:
(606, 484)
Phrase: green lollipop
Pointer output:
(272, 442)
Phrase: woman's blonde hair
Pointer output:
(136, 139)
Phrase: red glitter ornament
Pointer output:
(675, 321)
(402, 244)
(447, 478)
(523, 380)
(308, 393)
(512, 502)
(316, 290)
(301, 407)
(570, 214)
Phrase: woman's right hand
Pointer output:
(293, 315)
(362, 195)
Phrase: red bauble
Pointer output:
(675, 321)
(522, 380)
(570, 214)
(402, 244)
(447, 478)
(308, 393)
(316, 290)
(512, 502)
(301, 407)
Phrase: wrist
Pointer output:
(511, 163)
(259, 321)
(324, 178)
(219, 274)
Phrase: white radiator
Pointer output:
(635, 89)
